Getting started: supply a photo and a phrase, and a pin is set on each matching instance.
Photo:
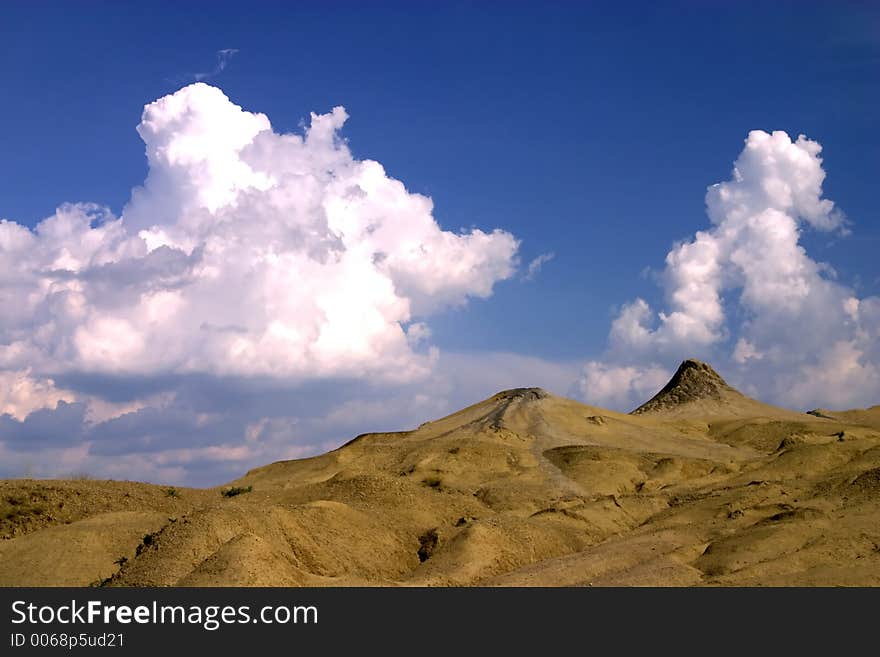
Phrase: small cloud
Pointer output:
(744, 351)
(535, 266)
(620, 387)
(223, 57)
(418, 333)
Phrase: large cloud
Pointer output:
(792, 333)
(176, 341)
(245, 253)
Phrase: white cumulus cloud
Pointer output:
(796, 335)
(245, 253)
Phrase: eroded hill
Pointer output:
(701, 485)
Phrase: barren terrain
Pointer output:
(699, 486)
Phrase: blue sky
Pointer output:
(587, 130)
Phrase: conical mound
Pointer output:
(696, 389)
(693, 381)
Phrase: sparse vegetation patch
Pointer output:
(236, 490)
